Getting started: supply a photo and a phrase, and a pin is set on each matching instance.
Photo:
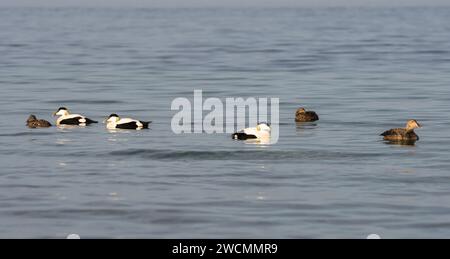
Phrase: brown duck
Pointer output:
(33, 122)
(305, 116)
(406, 134)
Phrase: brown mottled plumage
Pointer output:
(33, 122)
(305, 116)
(406, 134)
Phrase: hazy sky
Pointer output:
(227, 3)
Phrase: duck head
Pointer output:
(412, 124)
(301, 111)
(31, 118)
(112, 118)
(62, 111)
(263, 127)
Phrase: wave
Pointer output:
(246, 155)
(26, 133)
(78, 101)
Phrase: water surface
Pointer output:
(363, 71)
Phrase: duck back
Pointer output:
(399, 135)
(306, 117)
(38, 124)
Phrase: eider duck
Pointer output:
(261, 131)
(65, 118)
(406, 134)
(33, 123)
(115, 122)
(305, 116)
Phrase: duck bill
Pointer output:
(54, 114)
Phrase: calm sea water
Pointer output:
(362, 70)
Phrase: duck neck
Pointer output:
(409, 129)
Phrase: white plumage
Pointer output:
(261, 131)
(65, 118)
(115, 122)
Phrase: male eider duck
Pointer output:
(33, 122)
(65, 118)
(115, 122)
(261, 131)
(305, 116)
(406, 134)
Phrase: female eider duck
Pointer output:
(305, 116)
(65, 118)
(406, 134)
(33, 123)
(261, 131)
(115, 122)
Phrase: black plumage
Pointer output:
(242, 136)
